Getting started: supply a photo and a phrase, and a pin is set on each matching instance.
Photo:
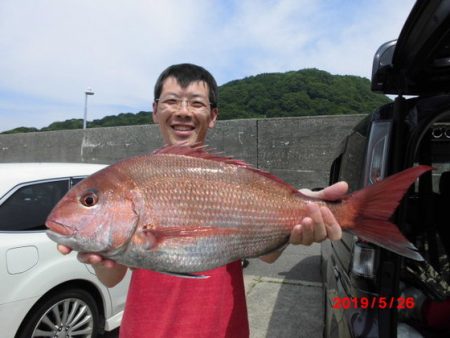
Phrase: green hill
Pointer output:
(296, 93)
(123, 119)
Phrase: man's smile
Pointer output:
(182, 127)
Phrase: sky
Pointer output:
(52, 51)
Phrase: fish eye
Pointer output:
(89, 199)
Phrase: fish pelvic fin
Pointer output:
(371, 208)
(186, 233)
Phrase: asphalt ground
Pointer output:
(284, 299)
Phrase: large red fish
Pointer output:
(183, 210)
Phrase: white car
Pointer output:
(42, 292)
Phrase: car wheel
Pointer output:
(69, 313)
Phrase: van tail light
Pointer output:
(363, 263)
(377, 152)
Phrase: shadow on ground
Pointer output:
(298, 311)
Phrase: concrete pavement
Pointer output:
(284, 299)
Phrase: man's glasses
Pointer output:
(174, 103)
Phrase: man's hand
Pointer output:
(321, 223)
(88, 258)
(109, 272)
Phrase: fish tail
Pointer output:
(372, 207)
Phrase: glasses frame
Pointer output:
(180, 101)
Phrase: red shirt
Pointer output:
(160, 305)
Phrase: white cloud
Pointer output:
(291, 35)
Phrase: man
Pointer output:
(160, 305)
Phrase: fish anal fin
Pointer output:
(184, 275)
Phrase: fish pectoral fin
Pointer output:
(192, 232)
(184, 275)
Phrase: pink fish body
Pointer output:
(184, 210)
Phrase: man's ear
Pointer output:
(155, 112)
(214, 115)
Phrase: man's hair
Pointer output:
(185, 74)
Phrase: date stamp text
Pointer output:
(373, 303)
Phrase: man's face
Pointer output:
(184, 114)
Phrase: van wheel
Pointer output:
(69, 313)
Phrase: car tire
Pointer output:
(68, 313)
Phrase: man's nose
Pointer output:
(184, 109)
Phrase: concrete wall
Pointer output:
(299, 150)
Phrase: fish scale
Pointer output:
(234, 197)
(215, 189)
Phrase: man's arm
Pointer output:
(321, 223)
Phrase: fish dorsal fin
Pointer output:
(199, 150)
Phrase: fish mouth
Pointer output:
(59, 228)
(66, 240)
(56, 237)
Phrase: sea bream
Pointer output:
(183, 209)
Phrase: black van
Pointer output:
(369, 291)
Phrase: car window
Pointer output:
(75, 180)
(28, 207)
